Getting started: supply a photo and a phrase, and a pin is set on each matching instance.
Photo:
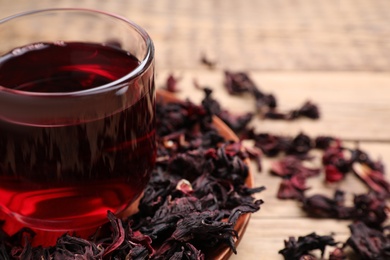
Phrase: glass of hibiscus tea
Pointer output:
(77, 119)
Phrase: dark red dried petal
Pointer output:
(324, 142)
(118, 235)
(321, 206)
(292, 165)
(300, 145)
(332, 173)
(206, 61)
(337, 254)
(288, 190)
(368, 243)
(374, 179)
(309, 110)
(171, 84)
(236, 122)
(371, 209)
(294, 249)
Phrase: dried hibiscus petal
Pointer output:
(324, 142)
(292, 188)
(295, 249)
(333, 174)
(321, 206)
(67, 247)
(243, 209)
(189, 165)
(300, 145)
(255, 154)
(118, 235)
(292, 165)
(237, 123)
(206, 61)
(335, 163)
(240, 82)
(171, 83)
(337, 254)
(371, 209)
(275, 115)
(374, 179)
(176, 250)
(368, 243)
(308, 110)
(270, 145)
(205, 227)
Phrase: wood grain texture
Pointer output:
(300, 35)
(351, 109)
(354, 106)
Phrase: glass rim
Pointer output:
(144, 64)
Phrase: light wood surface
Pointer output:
(354, 106)
(335, 53)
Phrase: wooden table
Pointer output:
(335, 53)
(354, 107)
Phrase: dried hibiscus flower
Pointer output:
(323, 142)
(374, 179)
(273, 145)
(240, 82)
(299, 249)
(324, 207)
(294, 175)
(270, 145)
(207, 62)
(368, 243)
(236, 122)
(292, 165)
(335, 164)
(292, 188)
(337, 254)
(172, 83)
(308, 110)
(369, 208)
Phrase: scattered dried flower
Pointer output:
(368, 243)
(206, 61)
(172, 83)
(296, 249)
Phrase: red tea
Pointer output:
(66, 177)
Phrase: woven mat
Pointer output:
(277, 35)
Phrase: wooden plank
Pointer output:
(352, 185)
(351, 110)
(277, 219)
(264, 238)
(256, 34)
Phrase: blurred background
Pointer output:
(277, 35)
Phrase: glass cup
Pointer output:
(77, 119)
